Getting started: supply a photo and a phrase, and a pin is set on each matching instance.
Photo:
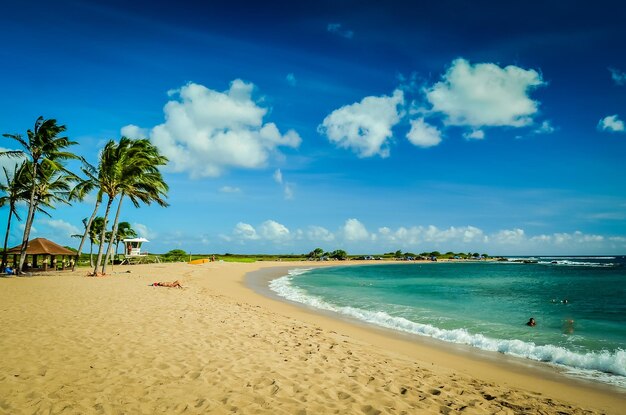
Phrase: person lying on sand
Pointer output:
(175, 284)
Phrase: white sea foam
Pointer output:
(605, 366)
(568, 263)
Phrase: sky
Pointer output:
(364, 126)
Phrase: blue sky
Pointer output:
(362, 126)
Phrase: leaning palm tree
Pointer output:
(141, 181)
(43, 143)
(16, 191)
(80, 191)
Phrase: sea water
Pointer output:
(579, 304)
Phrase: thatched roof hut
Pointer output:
(46, 248)
(42, 246)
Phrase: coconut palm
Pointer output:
(141, 181)
(80, 191)
(94, 231)
(43, 143)
(16, 190)
(129, 168)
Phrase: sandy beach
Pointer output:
(72, 344)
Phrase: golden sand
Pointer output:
(71, 344)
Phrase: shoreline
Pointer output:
(498, 367)
(115, 344)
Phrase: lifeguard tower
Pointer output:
(133, 254)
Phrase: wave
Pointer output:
(603, 365)
(568, 263)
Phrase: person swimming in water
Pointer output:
(531, 322)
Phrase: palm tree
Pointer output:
(94, 231)
(16, 190)
(124, 231)
(43, 143)
(80, 191)
(140, 180)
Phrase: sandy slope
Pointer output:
(76, 345)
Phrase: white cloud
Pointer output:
(134, 132)
(66, 229)
(485, 94)
(475, 135)
(207, 132)
(364, 127)
(274, 231)
(423, 134)
(289, 189)
(318, 233)
(291, 79)
(230, 189)
(336, 29)
(143, 231)
(618, 76)
(245, 231)
(611, 123)
(509, 236)
(431, 234)
(545, 128)
(278, 176)
(353, 230)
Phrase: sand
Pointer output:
(71, 344)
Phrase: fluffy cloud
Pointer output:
(431, 234)
(245, 231)
(62, 227)
(509, 236)
(618, 76)
(474, 135)
(291, 79)
(611, 123)
(545, 128)
(274, 231)
(336, 29)
(485, 94)
(318, 233)
(207, 132)
(353, 230)
(364, 127)
(134, 132)
(423, 134)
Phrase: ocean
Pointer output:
(578, 303)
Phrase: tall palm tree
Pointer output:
(43, 143)
(140, 180)
(16, 190)
(80, 191)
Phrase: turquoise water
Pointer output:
(486, 305)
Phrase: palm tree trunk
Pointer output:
(117, 218)
(6, 240)
(29, 220)
(87, 229)
(102, 236)
(90, 252)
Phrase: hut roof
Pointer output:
(42, 246)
